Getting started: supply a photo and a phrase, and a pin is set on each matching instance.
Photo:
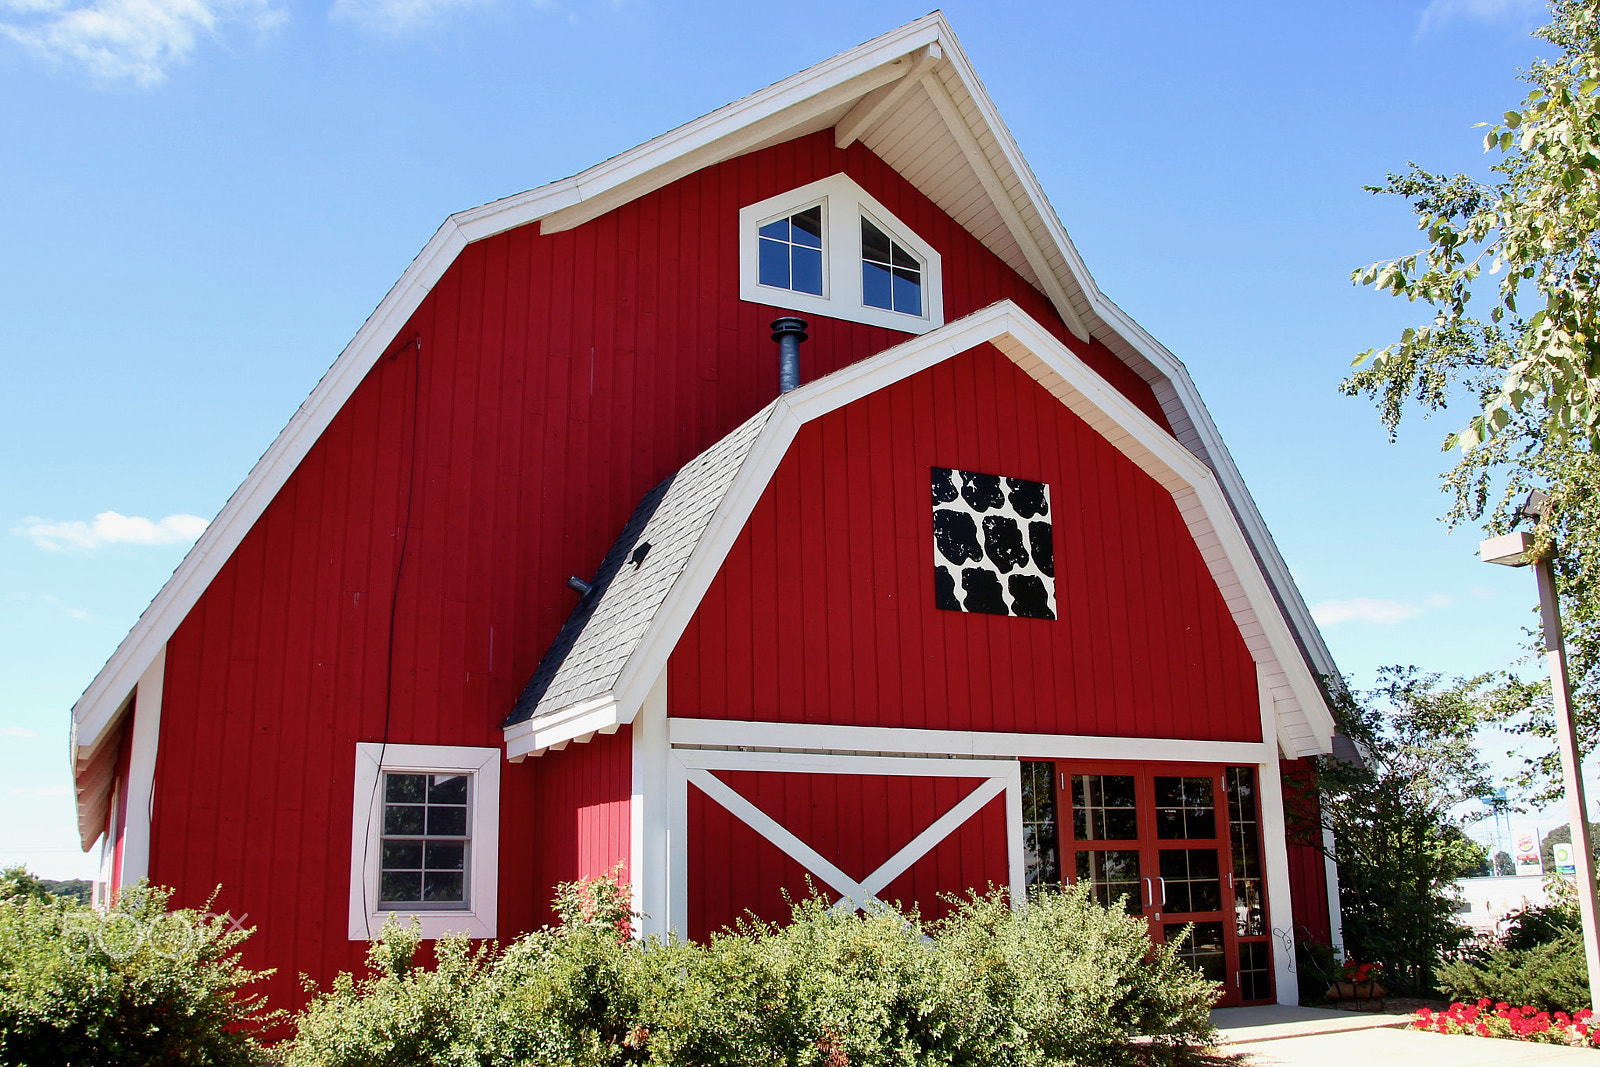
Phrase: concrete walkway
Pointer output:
(1277, 1036)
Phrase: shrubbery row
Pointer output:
(1064, 981)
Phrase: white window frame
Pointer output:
(843, 204)
(479, 918)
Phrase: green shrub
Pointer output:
(134, 985)
(1539, 960)
(1065, 981)
(1550, 977)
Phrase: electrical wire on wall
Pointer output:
(415, 344)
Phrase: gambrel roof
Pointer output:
(619, 638)
(910, 96)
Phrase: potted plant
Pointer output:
(1361, 982)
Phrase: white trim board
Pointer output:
(478, 919)
(1304, 724)
(142, 771)
(1001, 778)
(924, 51)
(736, 733)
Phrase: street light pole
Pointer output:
(1515, 550)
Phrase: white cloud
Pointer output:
(110, 528)
(1441, 13)
(47, 791)
(1374, 610)
(401, 16)
(134, 41)
(16, 731)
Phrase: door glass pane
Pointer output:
(1255, 970)
(1245, 835)
(1112, 873)
(1040, 849)
(1203, 950)
(1192, 880)
(1185, 809)
(1104, 808)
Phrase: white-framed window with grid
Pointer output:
(425, 839)
(829, 248)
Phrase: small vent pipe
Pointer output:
(788, 332)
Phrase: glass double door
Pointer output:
(1179, 845)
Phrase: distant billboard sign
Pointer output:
(1563, 858)
(1525, 851)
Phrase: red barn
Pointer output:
(955, 585)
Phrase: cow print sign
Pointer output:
(992, 547)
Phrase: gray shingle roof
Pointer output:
(589, 654)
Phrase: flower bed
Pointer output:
(1484, 1019)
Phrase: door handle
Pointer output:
(1163, 883)
(1149, 897)
(1230, 881)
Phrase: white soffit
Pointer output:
(1304, 720)
(984, 178)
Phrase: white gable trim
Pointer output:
(1305, 726)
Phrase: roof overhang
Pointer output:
(614, 695)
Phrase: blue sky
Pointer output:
(205, 198)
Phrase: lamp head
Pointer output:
(1508, 550)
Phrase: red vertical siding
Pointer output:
(824, 609)
(1308, 871)
(582, 823)
(409, 575)
(856, 822)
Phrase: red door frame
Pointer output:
(1149, 847)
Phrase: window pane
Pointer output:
(1185, 808)
(901, 258)
(908, 291)
(874, 243)
(774, 263)
(402, 819)
(1040, 848)
(1202, 950)
(1192, 880)
(404, 788)
(875, 287)
(401, 886)
(1113, 875)
(777, 229)
(1103, 808)
(446, 855)
(402, 855)
(439, 887)
(807, 227)
(447, 821)
(807, 270)
(448, 789)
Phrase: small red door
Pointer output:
(1178, 844)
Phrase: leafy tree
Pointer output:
(1504, 864)
(1398, 846)
(1527, 244)
(1562, 835)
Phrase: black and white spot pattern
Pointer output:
(992, 547)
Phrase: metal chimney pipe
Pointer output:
(788, 332)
